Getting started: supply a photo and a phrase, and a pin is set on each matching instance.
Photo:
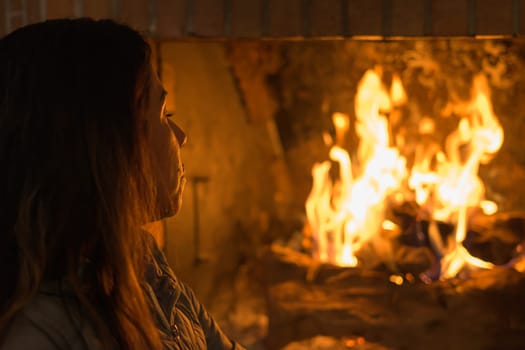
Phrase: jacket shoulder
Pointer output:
(50, 322)
(24, 334)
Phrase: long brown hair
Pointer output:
(75, 182)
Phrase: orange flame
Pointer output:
(480, 132)
(348, 213)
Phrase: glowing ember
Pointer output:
(348, 213)
(396, 279)
(350, 343)
(488, 207)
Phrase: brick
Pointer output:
(208, 18)
(326, 18)
(364, 17)
(59, 9)
(285, 18)
(450, 17)
(408, 17)
(171, 18)
(98, 9)
(494, 17)
(247, 18)
(136, 13)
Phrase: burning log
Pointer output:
(308, 299)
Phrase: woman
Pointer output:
(88, 157)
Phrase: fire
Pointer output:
(348, 213)
(459, 187)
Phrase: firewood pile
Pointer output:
(320, 306)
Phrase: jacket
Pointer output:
(51, 322)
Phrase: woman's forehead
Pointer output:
(156, 88)
(149, 89)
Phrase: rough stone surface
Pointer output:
(319, 78)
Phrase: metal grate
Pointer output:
(352, 19)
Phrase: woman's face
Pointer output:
(165, 138)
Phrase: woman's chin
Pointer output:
(173, 207)
(169, 205)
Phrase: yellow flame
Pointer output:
(327, 139)
(397, 92)
(482, 135)
(347, 213)
(342, 124)
(488, 207)
(389, 225)
(426, 126)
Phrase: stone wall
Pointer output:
(320, 77)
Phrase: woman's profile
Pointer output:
(88, 156)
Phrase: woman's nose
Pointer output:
(179, 133)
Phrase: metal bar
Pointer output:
(516, 8)
(24, 12)
(427, 18)
(306, 20)
(199, 257)
(153, 9)
(265, 17)
(472, 17)
(116, 9)
(43, 10)
(78, 8)
(6, 15)
(345, 20)
(190, 13)
(386, 19)
(227, 15)
(12, 12)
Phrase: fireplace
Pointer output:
(264, 89)
(316, 299)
